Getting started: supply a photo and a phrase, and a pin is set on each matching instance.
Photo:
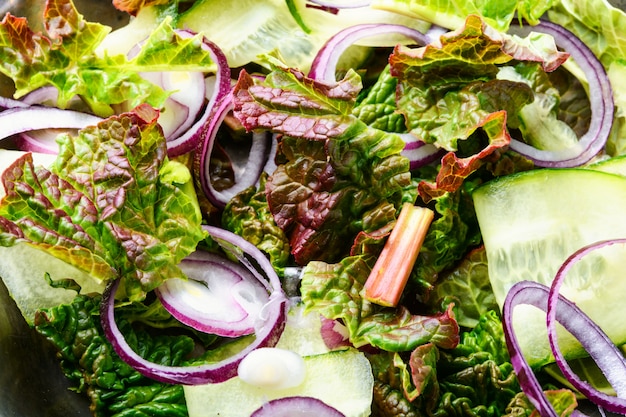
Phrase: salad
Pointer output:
(337, 208)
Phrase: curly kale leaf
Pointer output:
(248, 215)
(89, 361)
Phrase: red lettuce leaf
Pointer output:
(337, 171)
(108, 204)
(454, 169)
(65, 58)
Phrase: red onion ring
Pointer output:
(190, 139)
(325, 62)
(41, 141)
(354, 4)
(419, 152)
(44, 140)
(600, 97)
(606, 355)
(532, 293)
(577, 323)
(268, 329)
(192, 101)
(47, 94)
(244, 178)
(9, 103)
(296, 406)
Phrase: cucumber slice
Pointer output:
(531, 222)
(342, 379)
(245, 29)
(23, 270)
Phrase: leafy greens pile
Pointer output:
(113, 203)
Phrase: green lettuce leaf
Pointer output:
(334, 290)
(451, 14)
(468, 286)
(66, 59)
(598, 24)
(109, 205)
(451, 93)
(539, 121)
(377, 108)
(338, 175)
(453, 232)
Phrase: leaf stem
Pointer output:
(390, 273)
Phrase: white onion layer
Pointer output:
(24, 119)
(219, 297)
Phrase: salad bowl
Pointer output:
(31, 381)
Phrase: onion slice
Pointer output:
(41, 141)
(296, 406)
(535, 294)
(268, 328)
(188, 140)
(600, 98)
(24, 119)
(245, 176)
(220, 297)
(47, 96)
(9, 103)
(325, 62)
(606, 355)
(419, 152)
(346, 4)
